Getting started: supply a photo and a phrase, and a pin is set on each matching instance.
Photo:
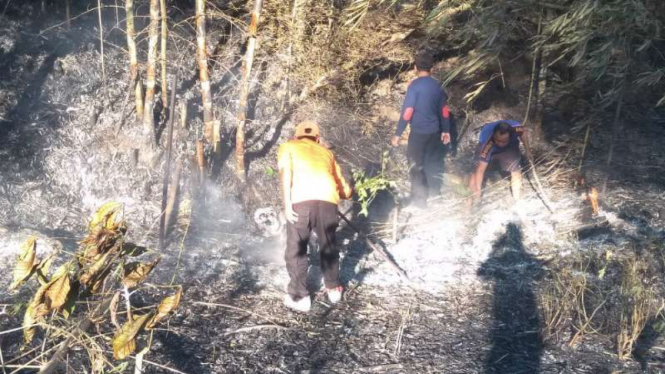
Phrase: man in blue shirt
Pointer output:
(499, 142)
(426, 109)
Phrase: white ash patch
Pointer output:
(10, 246)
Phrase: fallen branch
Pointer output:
(252, 328)
(237, 309)
(377, 248)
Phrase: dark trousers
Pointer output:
(320, 217)
(425, 153)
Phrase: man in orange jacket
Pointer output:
(312, 185)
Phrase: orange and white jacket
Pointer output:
(315, 175)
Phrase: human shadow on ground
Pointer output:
(515, 334)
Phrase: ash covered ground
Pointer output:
(476, 278)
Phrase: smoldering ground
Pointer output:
(473, 301)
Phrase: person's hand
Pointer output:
(290, 214)
(395, 141)
(445, 138)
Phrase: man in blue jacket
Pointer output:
(426, 109)
(499, 142)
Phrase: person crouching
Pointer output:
(312, 185)
(499, 142)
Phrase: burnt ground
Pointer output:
(473, 301)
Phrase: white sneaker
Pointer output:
(335, 294)
(302, 305)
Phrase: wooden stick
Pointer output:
(586, 141)
(252, 328)
(172, 197)
(101, 43)
(374, 246)
(203, 303)
(167, 172)
(200, 159)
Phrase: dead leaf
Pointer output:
(25, 263)
(28, 321)
(107, 216)
(33, 314)
(94, 269)
(131, 249)
(43, 268)
(167, 305)
(137, 272)
(99, 241)
(57, 289)
(124, 341)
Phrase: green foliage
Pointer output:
(368, 188)
(608, 43)
(270, 172)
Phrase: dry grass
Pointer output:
(638, 304)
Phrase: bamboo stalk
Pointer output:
(535, 75)
(244, 90)
(200, 159)
(101, 42)
(292, 36)
(68, 12)
(165, 103)
(586, 141)
(149, 115)
(167, 172)
(183, 115)
(204, 77)
(171, 199)
(135, 82)
(615, 133)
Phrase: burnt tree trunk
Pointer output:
(165, 101)
(204, 77)
(149, 115)
(244, 90)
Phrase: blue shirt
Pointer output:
(429, 104)
(486, 145)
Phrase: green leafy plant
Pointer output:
(368, 187)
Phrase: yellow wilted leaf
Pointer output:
(28, 320)
(167, 305)
(106, 215)
(124, 341)
(43, 268)
(58, 288)
(137, 272)
(25, 263)
(33, 313)
(95, 268)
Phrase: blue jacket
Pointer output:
(425, 107)
(487, 147)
